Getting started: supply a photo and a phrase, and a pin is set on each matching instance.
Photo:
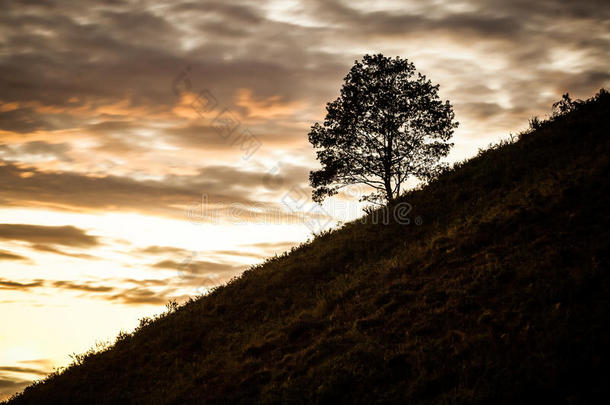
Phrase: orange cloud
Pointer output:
(269, 108)
(5, 107)
(194, 106)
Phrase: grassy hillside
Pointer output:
(501, 295)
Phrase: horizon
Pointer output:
(151, 151)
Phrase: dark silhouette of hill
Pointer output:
(502, 295)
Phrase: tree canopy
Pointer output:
(387, 124)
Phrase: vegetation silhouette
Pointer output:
(388, 124)
(501, 296)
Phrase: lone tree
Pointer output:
(387, 124)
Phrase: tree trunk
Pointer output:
(388, 189)
(388, 168)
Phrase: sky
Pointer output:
(150, 150)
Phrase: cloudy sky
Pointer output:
(150, 150)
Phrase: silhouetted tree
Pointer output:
(387, 124)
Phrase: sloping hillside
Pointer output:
(501, 295)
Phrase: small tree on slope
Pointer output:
(388, 124)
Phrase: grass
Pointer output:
(501, 295)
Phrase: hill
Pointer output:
(501, 295)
